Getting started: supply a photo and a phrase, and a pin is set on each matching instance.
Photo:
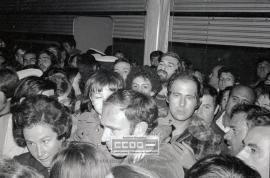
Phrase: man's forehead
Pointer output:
(226, 74)
(169, 59)
(258, 134)
(184, 85)
(242, 93)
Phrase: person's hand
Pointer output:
(186, 154)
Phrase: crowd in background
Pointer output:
(60, 109)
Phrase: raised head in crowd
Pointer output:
(46, 60)
(227, 78)
(145, 80)
(80, 160)
(122, 67)
(155, 57)
(45, 125)
(29, 59)
(243, 118)
(18, 56)
(221, 166)
(128, 113)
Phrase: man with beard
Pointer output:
(169, 64)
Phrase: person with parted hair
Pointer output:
(45, 125)
(80, 160)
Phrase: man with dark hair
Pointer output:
(263, 68)
(184, 93)
(127, 113)
(155, 57)
(243, 118)
(190, 131)
(221, 166)
(227, 78)
(256, 149)
(209, 105)
(240, 94)
(169, 64)
(69, 44)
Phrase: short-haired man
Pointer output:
(184, 92)
(129, 113)
(169, 64)
(243, 118)
(209, 105)
(226, 78)
(155, 57)
(256, 149)
(240, 94)
(29, 58)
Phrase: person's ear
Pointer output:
(140, 129)
(199, 102)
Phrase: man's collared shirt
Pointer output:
(219, 123)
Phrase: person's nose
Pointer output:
(40, 151)
(182, 101)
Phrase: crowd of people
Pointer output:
(61, 111)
